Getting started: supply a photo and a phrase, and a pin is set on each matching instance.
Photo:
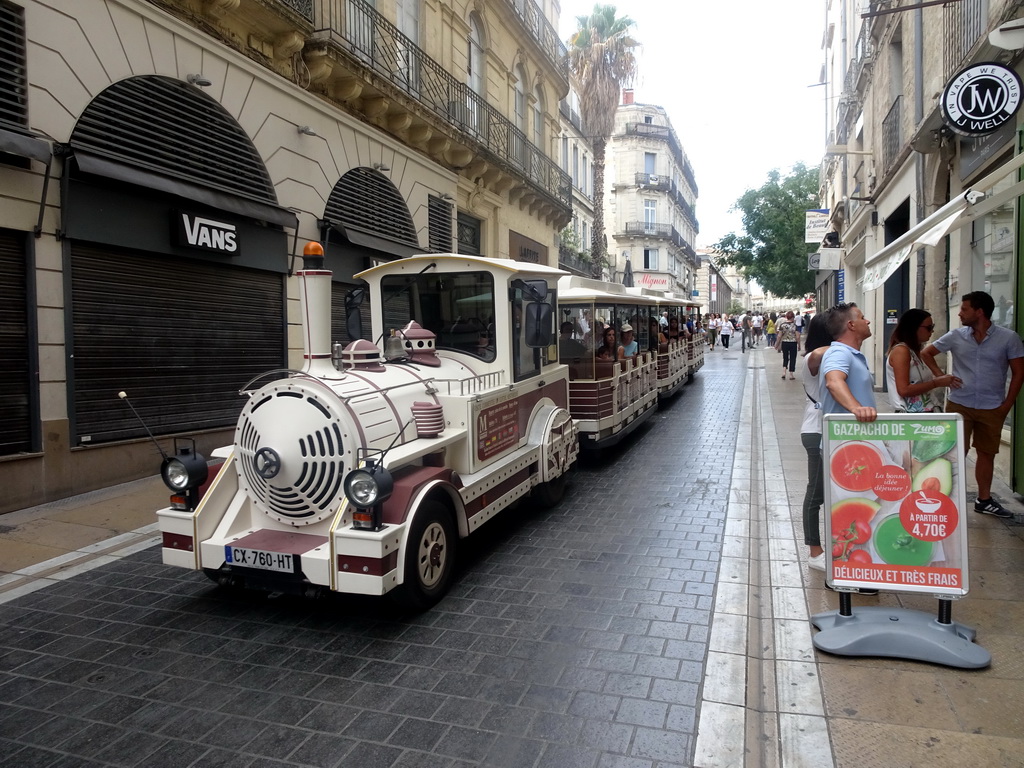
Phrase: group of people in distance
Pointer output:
(836, 379)
(753, 327)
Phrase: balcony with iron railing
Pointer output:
(543, 35)
(892, 133)
(657, 232)
(364, 43)
(653, 181)
(571, 115)
(577, 262)
(963, 23)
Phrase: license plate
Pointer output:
(257, 558)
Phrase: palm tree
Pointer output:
(602, 63)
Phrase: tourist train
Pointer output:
(361, 472)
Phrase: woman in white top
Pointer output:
(725, 331)
(910, 382)
(816, 340)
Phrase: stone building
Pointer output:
(923, 202)
(650, 201)
(576, 155)
(162, 162)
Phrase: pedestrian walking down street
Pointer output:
(726, 331)
(982, 354)
(817, 341)
(788, 338)
(744, 331)
(714, 325)
(769, 329)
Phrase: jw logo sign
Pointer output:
(981, 99)
(206, 234)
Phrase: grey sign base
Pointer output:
(899, 633)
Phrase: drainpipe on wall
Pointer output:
(919, 165)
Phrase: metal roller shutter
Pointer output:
(181, 337)
(15, 377)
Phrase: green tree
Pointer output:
(772, 250)
(602, 63)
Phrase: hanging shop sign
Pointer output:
(981, 99)
(815, 224)
(895, 492)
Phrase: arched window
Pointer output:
(475, 63)
(538, 117)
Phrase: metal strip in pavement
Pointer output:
(761, 679)
(49, 572)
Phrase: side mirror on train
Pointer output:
(539, 324)
(536, 289)
(353, 320)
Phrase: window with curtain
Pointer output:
(475, 60)
(538, 117)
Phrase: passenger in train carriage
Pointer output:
(673, 327)
(569, 347)
(629, 347)
(657, 333)
(609, 348)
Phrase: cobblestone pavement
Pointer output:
(573, 637)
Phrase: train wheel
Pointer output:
(430, 558)
(550, 493)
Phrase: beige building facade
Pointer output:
(899, 170)
(162, 163)
(650, 201)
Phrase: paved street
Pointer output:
(656, 618)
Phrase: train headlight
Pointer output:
(183, 473)
(366, 489)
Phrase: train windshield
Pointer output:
(457, 307)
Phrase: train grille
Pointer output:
(291, 453)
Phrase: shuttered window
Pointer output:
(439, 218)
(18, 410)
(13, 77)
(181, 336)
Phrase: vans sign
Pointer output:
(191, 231)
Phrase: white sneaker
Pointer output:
(817, 562)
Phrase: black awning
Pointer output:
(375, 241)
(225, 201)
(24, 146)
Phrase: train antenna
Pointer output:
(124, 396)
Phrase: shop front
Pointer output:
(175, 255)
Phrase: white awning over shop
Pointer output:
(963, 209)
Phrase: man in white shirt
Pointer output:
(756, 322)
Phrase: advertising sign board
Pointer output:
(815, 224)
(895, 498)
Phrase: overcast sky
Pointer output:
(734, 77)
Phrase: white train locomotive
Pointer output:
(363, 479)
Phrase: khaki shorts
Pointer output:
(985, 425)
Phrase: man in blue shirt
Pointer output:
(846, 384)
(982, 354)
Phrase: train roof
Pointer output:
(462, 260)
(576, 288)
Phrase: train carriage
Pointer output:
(362, 479)
(611, 398)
